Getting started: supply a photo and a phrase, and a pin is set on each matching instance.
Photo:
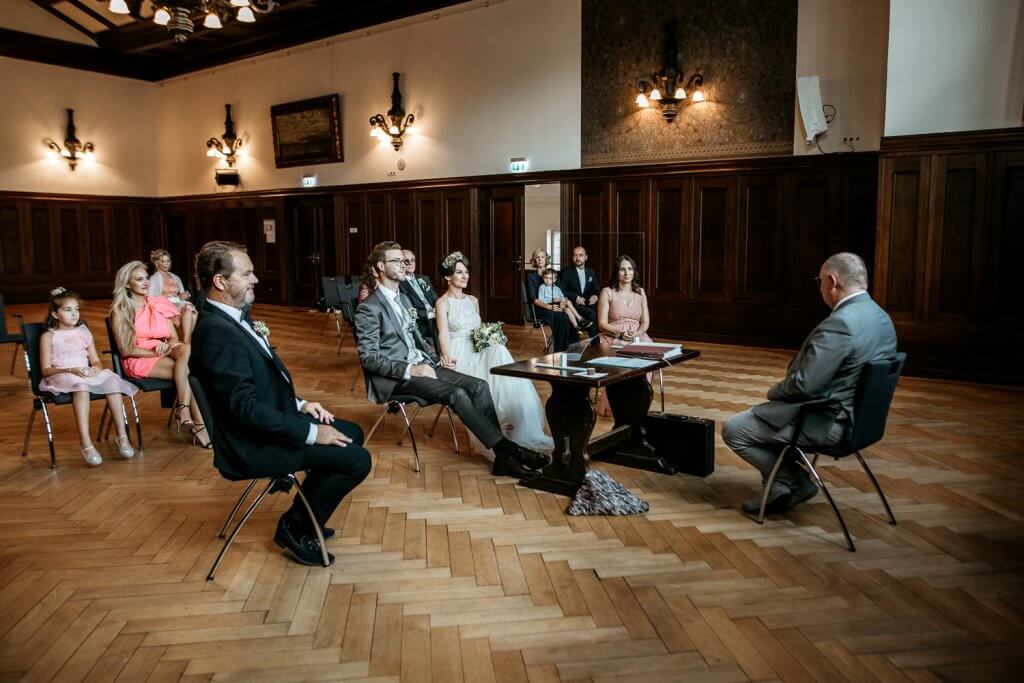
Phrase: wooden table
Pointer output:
(571, 416)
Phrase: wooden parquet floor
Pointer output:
(457, 575)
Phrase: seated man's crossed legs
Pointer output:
(470, 399)
(760, 444)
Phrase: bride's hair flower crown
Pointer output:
(451, 259)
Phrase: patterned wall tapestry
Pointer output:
(746, 50)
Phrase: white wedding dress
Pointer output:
(515, 400)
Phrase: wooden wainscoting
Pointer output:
(950, 232)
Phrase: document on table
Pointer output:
(620, 362)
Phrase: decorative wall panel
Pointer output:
(746, 51)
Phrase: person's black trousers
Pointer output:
(468, 397)
(562, 331)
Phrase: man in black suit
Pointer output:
(265, 429)
(420, 293)
(580, 285)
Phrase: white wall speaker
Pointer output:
(808, 90)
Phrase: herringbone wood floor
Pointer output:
(456, 575)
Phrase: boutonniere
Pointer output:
(413, 313)
(261, 329)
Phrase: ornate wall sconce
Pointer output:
(397, 123)
(667, 87)
(73, 150)
(231, 143)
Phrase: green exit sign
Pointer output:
(517, 164)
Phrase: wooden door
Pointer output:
(311, 237)
(501, 239)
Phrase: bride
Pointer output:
(515, 400)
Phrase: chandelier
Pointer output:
(181, 16)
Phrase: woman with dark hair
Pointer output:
(622, 306)
(563, 332)
(367, 281)
(520, 414)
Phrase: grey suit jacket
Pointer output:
(827, 368)
(382, 348)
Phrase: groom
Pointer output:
(398, 361)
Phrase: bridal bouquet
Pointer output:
(488, 334)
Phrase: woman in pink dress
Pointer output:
(69, 364)
(149, 344)
(165, 283)
(622, 313)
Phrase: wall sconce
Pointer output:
(397, 124)
(667, 87)
(73, 149)
(231, 143)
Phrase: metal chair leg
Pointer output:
(821, 485)
(238, 504)
(327, 314)
(528, 335)
(312, 518)
(231, 539)
(374, 427)
(451, 421)
(49, 435)
(28, 430)
(401, 437)
(768, 484)
(544, 335)
(14, 356)
(871, 476)
(138, 422)
(412, 438)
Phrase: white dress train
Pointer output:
(515, 400)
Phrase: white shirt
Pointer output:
(236, 315)
(415, 356)
(582, 273)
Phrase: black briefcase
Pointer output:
(685, 443)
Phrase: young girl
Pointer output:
(553, 298)
(70, 364)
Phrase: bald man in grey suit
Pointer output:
(825, 373)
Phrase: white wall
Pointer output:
(542, 212)
(118, 115)
(954, 65)
(485, 84)
(845, 44)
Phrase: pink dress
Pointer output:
(152, 328)
(626, 316)
(70, 349)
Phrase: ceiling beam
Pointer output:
(63, 53)
(48, 6)
(92, 13)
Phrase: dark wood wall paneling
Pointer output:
(728, 252)
(950, 235)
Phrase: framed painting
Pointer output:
(307, 132)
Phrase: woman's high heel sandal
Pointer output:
(124, 447)
(187, 422)
(197, 428)
(92, 456)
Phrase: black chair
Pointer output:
(168, 392)
(9, 337)
(875, 389)
(31, 333)
(275, 484)
(349, 297)
(332, 301)
(395, 405)
(530, 315)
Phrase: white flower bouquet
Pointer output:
(488, 334)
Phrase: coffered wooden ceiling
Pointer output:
(132, 45)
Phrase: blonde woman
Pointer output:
(165, 283)
(149, 345)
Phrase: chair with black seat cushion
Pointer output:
(332, 301)
(349, 297)
(396, 405)
(875, 389)
(530, 316)
(166, 387)
(32, 333)
(9, 337)
(275, 484)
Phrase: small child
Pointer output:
(552, 295)
(69, 364)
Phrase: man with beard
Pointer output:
(264, 429)
(397, 360)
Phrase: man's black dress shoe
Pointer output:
(530, 459)
(807, 491)
(328, 532)
(775, 506)
(304, 548)
(506, 466)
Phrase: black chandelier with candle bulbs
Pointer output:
(397, 123)
(669, 88)
(181, 16)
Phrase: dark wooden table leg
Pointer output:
(630, 402)
(571, 418)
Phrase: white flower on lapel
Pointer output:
(413, 313)
(261, 329)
